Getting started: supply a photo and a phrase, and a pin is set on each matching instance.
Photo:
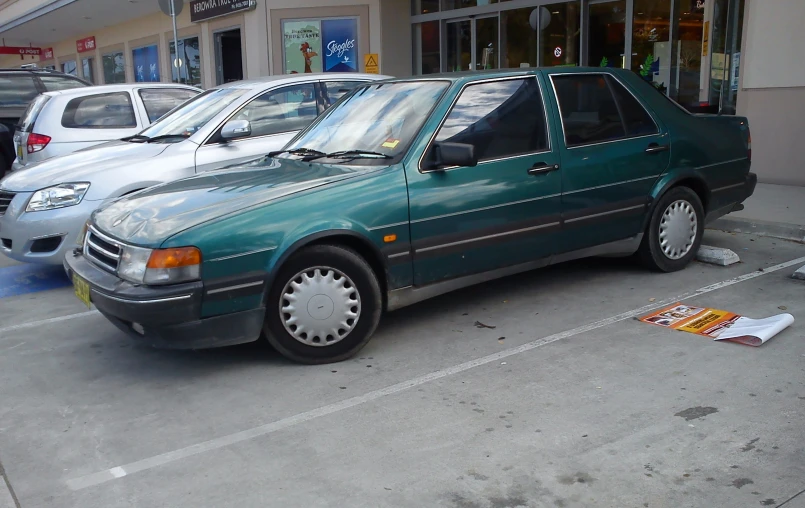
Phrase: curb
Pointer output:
(793, 232)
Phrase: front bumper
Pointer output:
(163, 316)
(23, 235)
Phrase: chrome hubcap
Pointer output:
(320, 306)
(678, 229)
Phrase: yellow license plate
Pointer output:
(19, 152)
(81, 290)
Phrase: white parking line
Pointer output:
(47, 321)
(113, 473)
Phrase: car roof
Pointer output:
(302, 77)
(124, 87)
(503, 73)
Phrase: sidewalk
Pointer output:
(773, 210)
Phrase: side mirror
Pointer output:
(235, 129)
(453, 154)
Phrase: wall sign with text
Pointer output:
(202, 10)
(86, 44)
(320, 45)
(20, 50)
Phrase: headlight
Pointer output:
(58, 196)
(159, 266)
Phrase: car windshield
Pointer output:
(192, 116)
(375, 123)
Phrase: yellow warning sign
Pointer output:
(371, 63)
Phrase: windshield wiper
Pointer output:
(354, 154)
(136, 137)
(298, 151)
(167, 136)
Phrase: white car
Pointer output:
(58, 123)
(44, 207)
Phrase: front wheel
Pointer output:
(674, 232)
(324, 306)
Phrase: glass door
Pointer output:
(486, 43)
(459, 45)
(607, 42)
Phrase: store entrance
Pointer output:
(472, 44)
(228, 57)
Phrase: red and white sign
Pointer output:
(22, 51)
(84, 45)
(47, 54)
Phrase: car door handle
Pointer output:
(655, 148)
(540, 168)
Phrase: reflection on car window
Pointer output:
(194, 114)
(56, 83)
(290, 108)
(17, 90)
(159, 101)
(499, 118)
(637, 120)
(105, 111)
(338, 89)
(589, 111)
(382, 118)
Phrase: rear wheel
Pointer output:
(674, 232)
(324, 306)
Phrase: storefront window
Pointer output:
(459, 46)
(607, 34)
(486, 43)
(425, 6)
(69, 67)
(88, 66)
(426, 47)
(651, 41)
(146, 64)
(559, 34)
(519, 38)
(461, 4)
(189, 71)
(114, 68)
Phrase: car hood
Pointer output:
(82, 165)
(151, 216)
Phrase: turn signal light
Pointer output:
(174, 258)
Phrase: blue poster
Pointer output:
(146, 64)
(339, 40)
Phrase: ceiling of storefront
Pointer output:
(67, 19)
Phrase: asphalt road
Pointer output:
(567, 401)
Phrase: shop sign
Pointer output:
(371, 63)
(84, 45)
(22, 51)
(47, 54)
(329, 45)
(203, 10)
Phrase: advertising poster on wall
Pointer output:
(303, 53)
(146, 64)
(340, 38)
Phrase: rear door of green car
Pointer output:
(503, 211)
(613, 150)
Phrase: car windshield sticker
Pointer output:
(391, 143)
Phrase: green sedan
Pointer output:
(407, 189)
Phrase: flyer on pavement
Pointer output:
(719, 324)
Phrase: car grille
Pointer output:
(102, 250)
(5, 201)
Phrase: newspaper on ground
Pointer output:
(719, 324)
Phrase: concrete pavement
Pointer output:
(773, 210)
(568, 401)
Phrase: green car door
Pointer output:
(613, 150)
(503, 211)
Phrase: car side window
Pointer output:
(589, 111)
(56, 83)
(102, 111)
(635, 117)
(338, 89)
(17, 90)
(500, 118)
(158, 101)
(290, 108)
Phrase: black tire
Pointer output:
(5, 167)
(362, 277)
(651, 251)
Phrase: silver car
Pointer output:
(43, 208)
(58, 123)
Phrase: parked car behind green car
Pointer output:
(407, 189)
